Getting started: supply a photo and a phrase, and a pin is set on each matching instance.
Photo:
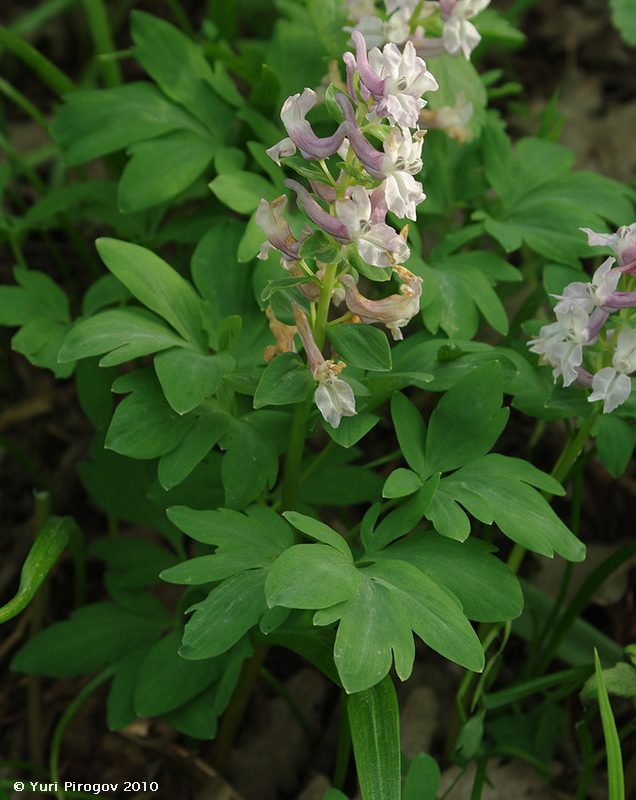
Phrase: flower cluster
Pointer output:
(348, 201)
(433, 27)
(595, 325)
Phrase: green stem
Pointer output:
(62, 725)
(294, 457)
(100, 31)
(236, 708)
(24, 103)
(343, 752)
(41, 513)
(564, 464)
(322, 311)
(280, 689)
(45, 69)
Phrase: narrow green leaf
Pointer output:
(41, 66)
(361, 346)
(95, 636)
(144, 425)
(411, 433)
(242, 191)
(318, 530)
(351, 429)
(124, 333)
(188, 377)
(374, 720)
(311, 576)
(616, 780)
(615, 443)
(96, 122)
(225, 616)
(155, 284)
(161, 168)
(401, 482)
(180, 68)
(286, 380)
(166, 680)
(47, 548)
(175, 466)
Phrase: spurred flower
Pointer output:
(394, 311)
(612, 384)
(300, 132)
(269, 217)
(460, 34)
(599, 293)
(402, 158)
(378, 243)
(623, 243)
(333, 396)
(562, 342)
(397, 80)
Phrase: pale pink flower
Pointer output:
(623, 243)
(394, 311)
(333, 396)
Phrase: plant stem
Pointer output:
(343, 752)
(41, 513)
(236, 708)
(294, 457)
(322, 312)
(45, 69)
(62, 725)
(97, 19)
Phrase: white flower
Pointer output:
(333, 397)
(612, 384)
(624, 358)
(561, 343)
(396, 80)
(460, 34)
(357, 9)
(587, 296)
(406, 78)
(452, 119)
(283, 149)
(623, 242)
(377, 242)
(402, 161)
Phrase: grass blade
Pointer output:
(616, 781)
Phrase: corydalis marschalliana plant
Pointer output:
(349, 209)
(433, 27)
(593, 341)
